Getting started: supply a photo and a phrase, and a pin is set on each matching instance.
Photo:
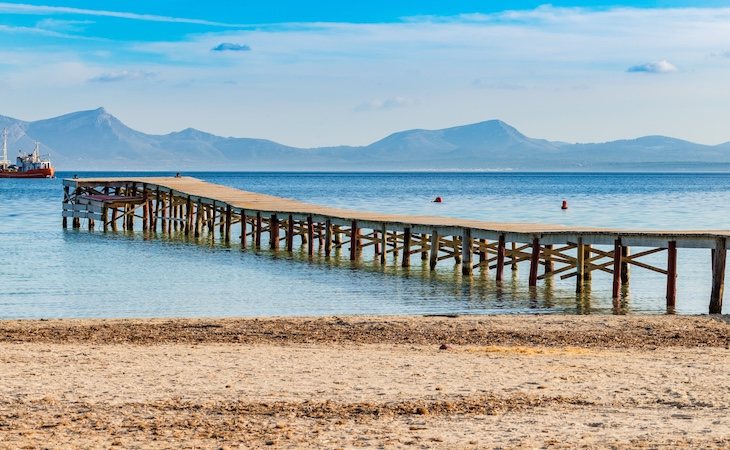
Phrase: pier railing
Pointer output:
(192, 206)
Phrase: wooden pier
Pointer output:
(192, 207)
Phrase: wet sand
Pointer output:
(500, 382)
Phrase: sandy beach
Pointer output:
(387, 382)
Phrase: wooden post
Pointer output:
(457, 249)
(586, 256)
(227, 230)
(514, 256)
(383, 243)
(500, 257)
(617, 268)
(310, 236)
(243, 228)
(433, 260)
(104, 216)
(548, 258)
(188, 216)
(114, 219)
(672, 274)
(257, 236)
(424, 247)
(534, 261)
(354, 240)
(157, 207)
(625, 267)
(483, 256)
(274, 232)
(145, 209)
(579, 266)
(466, 251)
(198, 218)
(406, 258)
(718, 276)
(290, 234)
(66, 195)
(328, 237)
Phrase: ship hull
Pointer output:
(37, 173)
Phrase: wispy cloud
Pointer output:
(121, 75)
(23, 8)
(66, 26)
(230, 47)
(385, 104)
(662, 66)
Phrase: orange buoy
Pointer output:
(438, 200)
(565, 205)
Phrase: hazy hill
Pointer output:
(95, 140)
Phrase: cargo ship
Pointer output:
(28, 165)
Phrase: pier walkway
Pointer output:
(192, 206)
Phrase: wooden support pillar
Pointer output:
(376, 242)
(188, 216)
(227, 230)
(157, 208)
(718, 276)
(617, 268)
(257, 236)
(500, 257)
(457, 249)
(579, 266)
(104, 217)
(91, 223)
(424, 247)
(328, 237)
(114, 219)
(274, 232)
(145, 209)
(548, 257)
(514, 256)
(435, 241)
(625, 267)
(64, 220)
(672, 274)
(243, 228)
(310, 236)
(354, 240)
(466, 251)
(406, 259)
(534, 261)
(483, 255)
(198, 218)
(383, 243)
(586, 256)
(290, 234)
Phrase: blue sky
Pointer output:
(325, 73)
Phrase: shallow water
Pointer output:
(50, 272)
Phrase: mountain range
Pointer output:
(96, 140)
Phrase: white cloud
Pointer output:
(20, 8)
(385, 104)
(230, 47)
(662, 66)
(121, 75)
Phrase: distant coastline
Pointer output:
(96, 140)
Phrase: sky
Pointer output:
(327, 73)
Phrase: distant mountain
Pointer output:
(96, 140)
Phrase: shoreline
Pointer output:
(342, 382)
(607, 331)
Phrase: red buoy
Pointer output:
(565, 205)
(438, 200)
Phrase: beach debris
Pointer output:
(444, 347)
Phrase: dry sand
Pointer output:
(503, 382)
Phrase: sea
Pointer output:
(50, 272)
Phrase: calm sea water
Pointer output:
(50, 272)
